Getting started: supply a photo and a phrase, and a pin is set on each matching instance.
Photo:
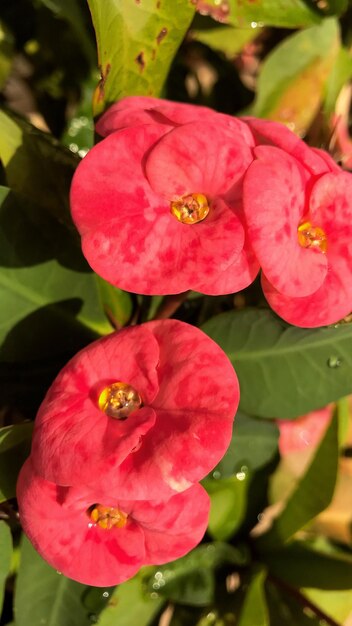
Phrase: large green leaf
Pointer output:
(340, 75)
(292, 79)
(312, 494)
(137, 42)
(15, 442)
(43, 596)
(284, 371)
(254, 610)
(5, 557)
(131, 603)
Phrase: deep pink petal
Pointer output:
(174, 527)
(72, 434)
(332, 165)
(274, 200)
(200, 157)
(65, 537)
(195, 407)
(276, 134)
(303, 432)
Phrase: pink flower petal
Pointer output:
(72, 434)
(303, 432)
(275, 202)
(69, 542)
(276, 134)
(197, 401)
(133, 240)
(199, 157)
(174, 527)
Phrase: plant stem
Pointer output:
(169, 305)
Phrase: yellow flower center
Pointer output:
(119, 400)
(191, 208)
(107, 517)
(312, 237)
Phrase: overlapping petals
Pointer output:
(307, 284)
(123, 190)
(189, 394)
(59, 523)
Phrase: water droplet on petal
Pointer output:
(334, 362)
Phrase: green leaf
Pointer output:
(284, 371)
(301, 566)
(6, 54)
(292, 80)
(284, 13)
(253, 444)
(131, 604)
(312, 494)
(340, 75)
(286, 608)
(335, 604)
(15, 443)
(137, 42)
(228, 39)
(191, 579)
(43, 596)
(117, 304)
(254, 609)
(228, 498)
(5, 560)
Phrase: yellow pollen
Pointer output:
(191, 208)
(312, 237)
(107, 517)
(119, 400)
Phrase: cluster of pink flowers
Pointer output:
(179, 197)
(124, 434)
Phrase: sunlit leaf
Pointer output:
(284, 371)
(340, 74)
(137, 42)
(293, 77)
(228, 504)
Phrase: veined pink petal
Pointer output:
(274, 199)
(72, 434)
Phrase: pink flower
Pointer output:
(158, 201)
(303, 432)
(100, 539)
(148, 410)
(299, 218)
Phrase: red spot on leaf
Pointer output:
(161, 35)
(101, 85)
(140, 61)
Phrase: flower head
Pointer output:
(148, 410)
(97, 538)
(158, 201)
(299, 217)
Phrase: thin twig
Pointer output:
(169, 305)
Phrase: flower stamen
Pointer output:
(190, 209)
(310, 236)
(107, 517)
(118, 400)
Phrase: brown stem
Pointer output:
(301, 599)
(169, 305)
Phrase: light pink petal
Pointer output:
(198, 399)
(200, 157)
(332, 165)
(72, 434)
(274, 204)
(276, 134)
(65, 537)
(303, 432)
(174, 527)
